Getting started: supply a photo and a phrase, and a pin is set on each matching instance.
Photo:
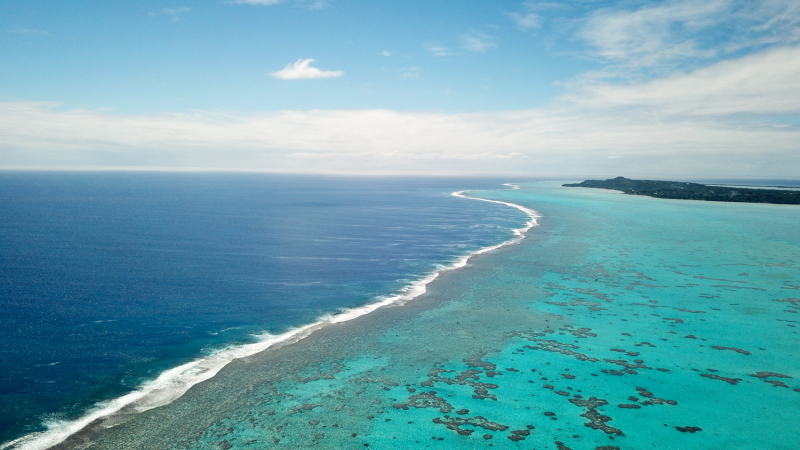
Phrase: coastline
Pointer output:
(174, 383)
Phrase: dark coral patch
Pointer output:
(558, 347)
(725, 379)
(468, 377)
(455, 424)
(652, 399)
(690, 311)
(477, 361)
(737, 350)
(426, 400)
(637, 364)
(769, 374)
(519, 435)
(597, 421)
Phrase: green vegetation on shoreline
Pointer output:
(693, 191)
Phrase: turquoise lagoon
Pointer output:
(619, 322)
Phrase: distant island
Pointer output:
(694, 191)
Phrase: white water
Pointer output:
(173, 383)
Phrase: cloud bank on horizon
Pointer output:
(642, 88)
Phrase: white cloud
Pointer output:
(652, 34)
(675, 31)
(258, 2)
(477, 41)
(317, 4)
(385, 53)
(383, 141)
(411, 72)
(439, 51)
(526, 21)
(310, 4)
(762, 83)
(174, 14)
(531, 16)
(716, 121)
(735, 118)
(302, 70)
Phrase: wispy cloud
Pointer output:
(174, 14)
(681, 31)
(385, 53)
(302, 70)
(439, 51)
(259, 2)
(526, 21)
(652, 34)
(532, 12)
(477, 41)
(411, 72)
(765, 83)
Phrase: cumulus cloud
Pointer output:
(302, 70)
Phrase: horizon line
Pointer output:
(375, 174)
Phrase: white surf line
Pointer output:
(520, 232)
(173, 383)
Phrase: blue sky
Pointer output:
(157, 55)
(536, 87)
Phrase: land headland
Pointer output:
(693, 191)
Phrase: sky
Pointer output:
(637, 88)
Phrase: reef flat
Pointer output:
(621, 322)
(693, 191)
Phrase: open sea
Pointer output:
(107, 280)
(141, 303)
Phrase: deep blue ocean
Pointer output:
(108, 279)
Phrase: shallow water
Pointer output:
(621, 322)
